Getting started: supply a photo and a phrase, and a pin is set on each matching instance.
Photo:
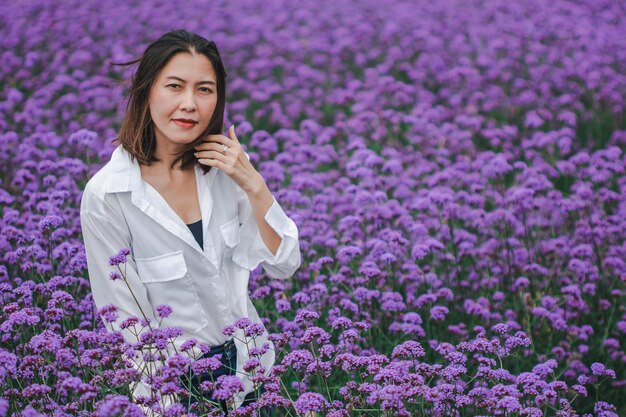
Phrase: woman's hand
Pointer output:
(226, 153)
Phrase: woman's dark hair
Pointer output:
(136, 134)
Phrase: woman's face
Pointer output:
(182, 99)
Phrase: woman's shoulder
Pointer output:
(94, 193)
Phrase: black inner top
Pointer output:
(196, 230)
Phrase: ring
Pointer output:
(224, 149)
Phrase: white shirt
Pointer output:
(207, 289)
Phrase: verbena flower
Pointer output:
(120, 257)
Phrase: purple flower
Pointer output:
(311, 401)
(251, 364)
(129, 322)
(299, 359)
(419, 251)
(46, 341)
(495, 167)
(408, 350)
(115, 276)
(439, 313)
(4, 407)
(500, 328)
(188, 344)
(580, 390)
(604, 409)
(30, 412)
(392, 301)
(341, 322)
(283, 305)
(205, 365)
(163, 310)
(229, 330)
(50, 223)
(533, 120)
(226, 387)
(347, 253)
(120, 257)
(546, 368)
(599, 369)
(304, 316)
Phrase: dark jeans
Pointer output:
(192, 382)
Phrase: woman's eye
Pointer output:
(206, 90)
(173, 85)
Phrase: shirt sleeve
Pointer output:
(252, 249)
(103, 237)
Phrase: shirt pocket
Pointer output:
(167, 281)
(230, 237)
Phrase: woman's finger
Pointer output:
(213, 139)
(218, 140)
(232, 135)
(210, 146)
(212, 162)
(210, 154)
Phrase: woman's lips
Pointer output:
(184, 124)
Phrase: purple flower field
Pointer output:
(456, 170)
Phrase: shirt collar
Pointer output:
(125, 174)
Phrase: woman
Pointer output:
(188, 203)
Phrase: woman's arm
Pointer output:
(261, 201)
(252, 249)
(267, 234)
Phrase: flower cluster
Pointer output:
(456, 171)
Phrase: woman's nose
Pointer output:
(188, 101)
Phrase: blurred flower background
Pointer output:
(455, 168)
